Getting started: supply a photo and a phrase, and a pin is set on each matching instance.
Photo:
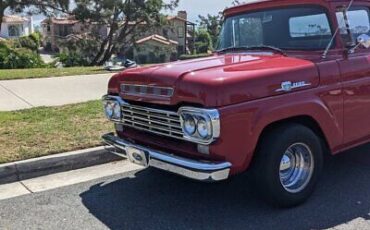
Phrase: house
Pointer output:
(14, 26)
(155, 49)
(173, 37)
(179, 30)
(56, 30)
(167, 42)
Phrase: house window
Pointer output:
(180, 49)
(165, 32)
(181, 31)
(15, 30)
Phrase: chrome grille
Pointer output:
(156, 121)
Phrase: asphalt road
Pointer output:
(155, 200)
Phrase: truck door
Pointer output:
(355, 72)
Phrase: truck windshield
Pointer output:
(291, 28)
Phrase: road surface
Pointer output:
(153, 199)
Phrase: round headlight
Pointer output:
(108, 109)
(203, 128)
(189, 125)
(116, 111)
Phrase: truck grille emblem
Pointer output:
(145, 90)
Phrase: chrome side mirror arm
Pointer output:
(362, 40)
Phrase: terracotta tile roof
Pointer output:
(60, 21)
(64, 21)
(157, 38)
(179, 18)
(15, 18)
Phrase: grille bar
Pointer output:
(161, 122)
(151, 121)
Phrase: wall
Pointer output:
(27, 29)
(154, 52)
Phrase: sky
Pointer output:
(202, 7)
(193, 7)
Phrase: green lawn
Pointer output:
(11, 74)
(42, 131)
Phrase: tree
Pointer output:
(203, 42)
(126, 20)
(38, 6)
(236, 2)
(213, 23)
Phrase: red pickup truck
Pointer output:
(289, 83)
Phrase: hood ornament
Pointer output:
(287, 86)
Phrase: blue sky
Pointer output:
(202, 7)
(193, 7)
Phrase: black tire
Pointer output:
(266, 167)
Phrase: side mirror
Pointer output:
(364, 40)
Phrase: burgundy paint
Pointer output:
(243, 88)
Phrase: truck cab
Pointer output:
(288, 83)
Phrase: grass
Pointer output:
(48, 130)
(11, 74)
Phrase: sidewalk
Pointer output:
(28, 93)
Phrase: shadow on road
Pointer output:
(157, 200)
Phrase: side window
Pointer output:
(309, 26)
(359, 23)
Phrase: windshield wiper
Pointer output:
(260, 47)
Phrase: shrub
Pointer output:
(36, 37)
(203, 42)
(23, 58)
(193, 56)
(70, 59)
(17, 58)
(4, 53)
(27, 42)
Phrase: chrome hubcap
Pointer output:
(296, 167)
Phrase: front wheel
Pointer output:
(288, 164)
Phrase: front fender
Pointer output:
(243, 124)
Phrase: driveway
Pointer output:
(156, 200)
(28, 93)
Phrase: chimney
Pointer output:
(31, 25)
(182, 14)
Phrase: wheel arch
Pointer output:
(304, 120)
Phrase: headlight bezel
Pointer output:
(116, 106)
(210, 116)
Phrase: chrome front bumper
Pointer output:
(197, 170)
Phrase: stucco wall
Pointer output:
(27, 29)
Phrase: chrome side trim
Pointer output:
(194, 169)
(288, 86)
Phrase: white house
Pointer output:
(16, 26)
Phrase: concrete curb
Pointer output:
(42, 166)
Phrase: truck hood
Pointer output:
(218, 80)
